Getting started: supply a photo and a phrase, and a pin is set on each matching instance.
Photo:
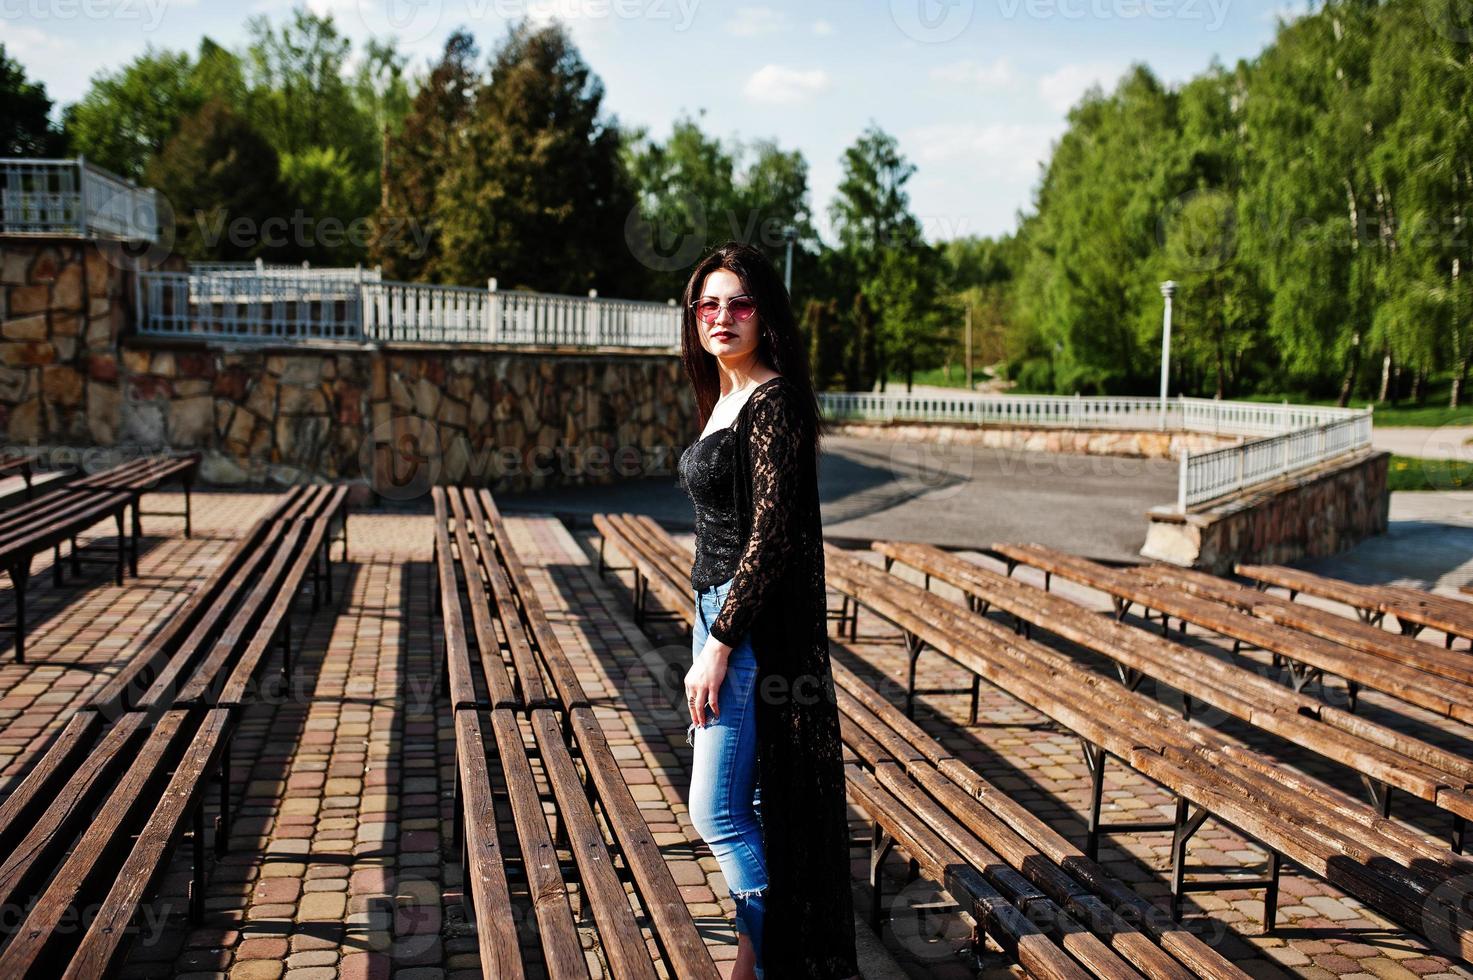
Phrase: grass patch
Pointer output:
(1412, 473)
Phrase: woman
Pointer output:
(764, 725)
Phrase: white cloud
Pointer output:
(777, 85)
(1061, 89)
(756, 20)
(1000, 150)
(995, 74)
(823, 28)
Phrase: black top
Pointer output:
(707, 472)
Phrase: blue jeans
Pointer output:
(723, 785)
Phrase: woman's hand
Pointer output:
(703, 681)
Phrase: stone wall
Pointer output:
(1320, 512)
(1090, 442)
(515, 420)
(61, 314)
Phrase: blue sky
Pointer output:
(976, 90)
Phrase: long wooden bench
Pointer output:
(1308, 657)
(63, 513)
(1395, 648)
(508, 676)
(1413, 609)
(90, 826)
(975, 840)
(660, 564)
(1406, 876)
(1384, 758)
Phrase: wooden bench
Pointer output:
(1384, 758)
(978, 843)
(1413, 609)
(63, 513)
(1308, 657)
(1404, 875)
(92, 823)
(508, 677)
(659, 563)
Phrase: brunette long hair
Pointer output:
(778, 343)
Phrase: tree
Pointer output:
(534, 194)
(223, 184)
(25, 113)
(406, 234)
(127, 116)
(884, 256)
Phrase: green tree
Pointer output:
(223, 184)
(25, 113)
(406, 235)
(128, 115)
(535, 194)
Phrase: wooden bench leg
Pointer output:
(1460, 828)
(1186, 827)
(122, 547)
(1094, 758)
(327, 571)
(913, 646)
(286, 647)
(1380, 794)
(639, 597)
(197, 855)
(881, 844)
(20, 577)
(976, 698)
(1271, 893)
(136, 537)
(56, 566)
(188, 507)
(222, 830)
(76, 558)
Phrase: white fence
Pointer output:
(1278, 439)
(72, 197)
(238, 304)
(1219, 472)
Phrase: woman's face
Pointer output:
(727, 336)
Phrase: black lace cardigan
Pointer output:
(778, 594)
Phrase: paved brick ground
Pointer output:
(340, 862)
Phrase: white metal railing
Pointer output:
(1232, 469)
(240, 305)
(73, 197)
(1279, 439)
(263, 268)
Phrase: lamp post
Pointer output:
(790, 235)
(1168, 289)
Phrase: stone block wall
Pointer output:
(511, 420)
(62, 306)
(1321, 512)
(1146, 444)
